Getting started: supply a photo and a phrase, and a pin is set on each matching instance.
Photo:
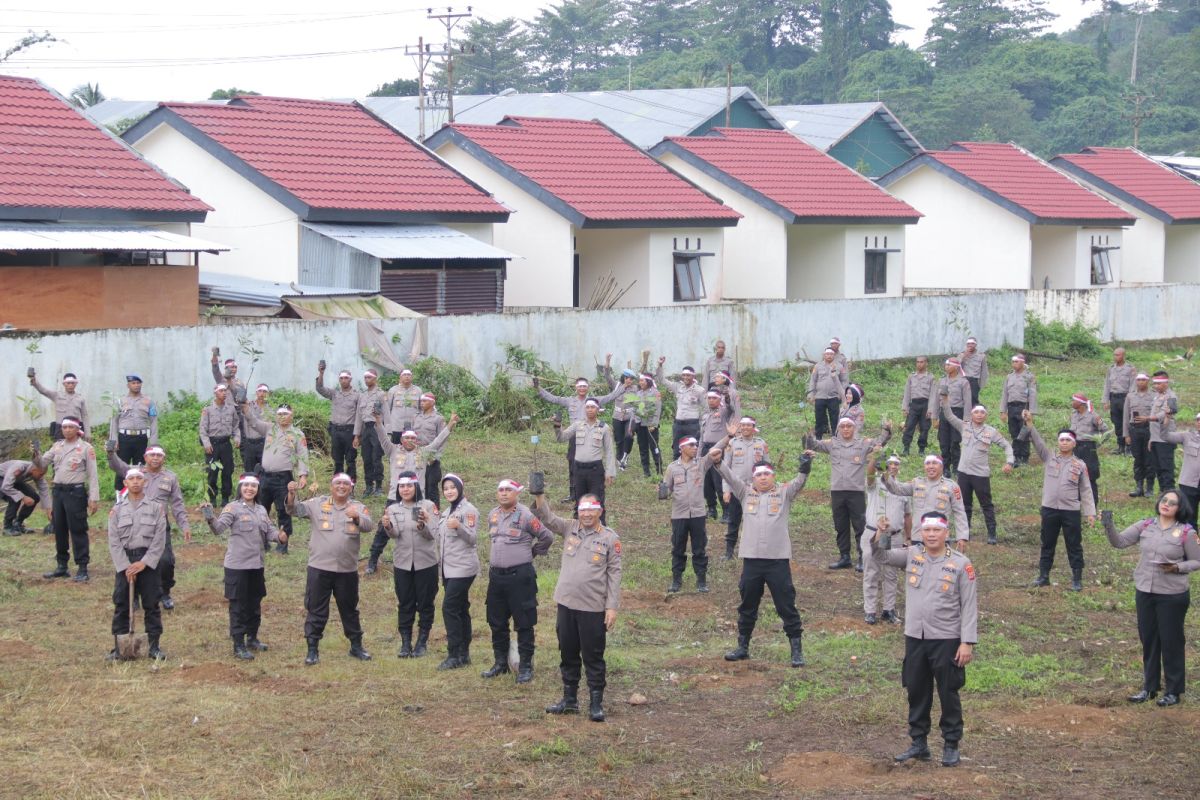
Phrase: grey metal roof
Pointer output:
(434, 242)
(1188, 167)
(110, 112)
(644, 116)
(49, 235)
(823, 126)
(219, 287)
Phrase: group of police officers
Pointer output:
(898, 527)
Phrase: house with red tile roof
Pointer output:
(811, 227)
(1164, 245)
(597, 221)
(91, 235)
(324, 193)
(999, 217)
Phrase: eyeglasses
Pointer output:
(1166, 501)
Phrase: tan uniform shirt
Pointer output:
(219, 420)
(428, 426)
(590, 576)
(517, 536)
(647, 407)
(1087, 425)
(285, 449)
(574, 404)
(919, 386)
(366, 409)
(843, 365)
(343, 403)
(593, 442)
(974, 365)
(714, 425)
(942, 495)
(1065, 482)
(14, 472)
(74, 464)
(1163, 411)
(688, 399)
(976, 439)
(882, 503)
(764, 531)
(1118, 380)
(401, 459)
(334, 540)
(415, 547)
(1178, 544)
(66, 405)
(848, 460)
(825, 381)
(940, 596)
(741, 455)
(685, 485)
(138, 413)
(256, 413)
(958, 390)
(237, 389)
(132, 526)
(623, 405)
(1189, 473)
(714, 365)
(249, 526)
(1137, 404)
(402, 406)
(457, 549)
(161, 485)
(1019, 387)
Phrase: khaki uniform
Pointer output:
(942, 495)
(843, 365)
(1189, 473)
(334, 539)
(593, 444)
(882, 503)
(1178, 544)
(66, 404)
(163, 486)
(1140, 404)
(1163, 410)
(1019, 387)
(415, 547)
(343, 423)
(249, 527)
(237, 389)
(75, 484)
(1137, 404)
(284, 450)
(401, 459)
(741, 455)
(848, 460)
(368, 441)
(457, 550)
(73, 465)
(918, 387)
(713, 365)
(1118, 380)
(219, 433)
(343, 403)
(218, 421)
(401, 407)
(1066, 496)
(974, 365)
(428, 426)
(976, 439)
(685, 485)
(825, 382)
(12, 475)
(139, 414)
(137, 532)
(516, 536)
(255, 413)
(365, 414)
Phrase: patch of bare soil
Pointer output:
(706, 672)
(204, 598)
(214, 673)
(823, 771)
(1080, 722)
(848, 624)
(17, 650)
(670, 605)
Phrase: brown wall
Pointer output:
(73, 298)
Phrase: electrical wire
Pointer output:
(142, 63)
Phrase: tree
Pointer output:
(24, 43)
(574, 38)
(1048, 72)
(1087, 120)
(964, 31)
(401, 87)
(657, 25)
(86, 95)
(957, 107)
(769, 34)
(493, 58)
(850, 28)
(229, 94)
(877, 74)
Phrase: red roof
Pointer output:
(595, 172)
(794, 174)
(1139, 177)
(52, 157)
(1026, 181)
(332, 155)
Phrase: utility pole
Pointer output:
(422, 54)
(450, 20)
(728, 95)
(1139, 98)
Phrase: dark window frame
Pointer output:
(688, 278)
(875, 263)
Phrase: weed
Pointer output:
(555, 748)
(1055, 338)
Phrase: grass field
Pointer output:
(1044, 701)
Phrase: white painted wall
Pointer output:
(663, 244)
(816, 259)
(482, 231)
(262, 233)
(964, 241)
(1054, 257)
(622, 253)
(861, 237)
(544, 275)
(1143, 246)
(1182, 253)
(1088, 238)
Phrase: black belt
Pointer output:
(62, 487)
(1115, 395)
(1085, 445)
(338, 426)
(509, 570)
(1012, 403)
(588, 465)
(1139, 424)
(286, 474)
(919, 401)
(136, 553)
(218, 438)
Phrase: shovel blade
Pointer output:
(132, 646)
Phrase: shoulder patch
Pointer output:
(970, 570)
(957, 492)
(617, 547)
(472, 518)
(227, 509)
(535, 525)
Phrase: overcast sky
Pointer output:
(136, 50)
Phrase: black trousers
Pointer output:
(974, 382)
(132, 450)
(379, 543)
(220, 460)
(416, 590)
(512, 593)
(372, 455)
(433, 482)
(827, 414)
(647, 441)
(774, 574)
(245, 589)
(343, 586)
(927, 661)
(252, 450)
(1089, 454)
(589, 479)
(621, 441)
(273, 492)
(571, 466)
(16, 513)
(849, 511)
(148, 591)
(166, 566)
(734, 510)
(1139, 446)
(1160, 627)
(682, 428)
(1054, 521)
(1116, 414)
(55, 431)
(1162, 457)
(70, 501)
(917, 419)
(581, 640)
(980, 486)
(949, 440)
(712, 482)
(682, 530)
(341, 449)
(1192, 493)
(456, 613)
(1015, 423)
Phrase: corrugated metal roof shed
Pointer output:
(422, 242)
(74, 236)
(823, 126)
(218, 287)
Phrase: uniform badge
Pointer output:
(535, 525)
(595, 558)
(617, 547)
(912, 579)
(327, 506)
(471, 520)
(941, 504)
(957, 492)
(326, 525)
(945, 587)
(970, 572)
(1175, 533)
(228, 508)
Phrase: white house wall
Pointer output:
(860, 238)
(543, 276)
(816, 259)
(261, 232)
(964, 241)
(1054, 257)
(1143, 246)
(663, 244)
(1099, 237)
(622, 254)
(481, 231)
(1182, 253)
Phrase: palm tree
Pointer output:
(86, 95)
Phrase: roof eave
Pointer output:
(413, 217)
(724, 178)
(690, 222)
(925, 159)
(1079, 173)
(802, 220)
(40, 213)
(1087, 222)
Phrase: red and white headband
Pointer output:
(229, 362)
(135, 472)
(953, 362)
(581, 382)
(979, 407)
(70, 421)
(370, 374)
(933, 459)
(687, 371)
(1019, 357)
(934, 522)
(1161, 379)
(342, 477)
(510, 484)
(406, 372)
(714, 394)
(220, 387)
(747, 421)
(262, 387)
(762, 469)
(1141, 376)
(590, 505)
(403, 480)
(1066, 435)
(409, 434)
(155, 450)
(591, 401)
(345, 374)
(688, 441)
(429, 396)
(835, 340)
(247, 479)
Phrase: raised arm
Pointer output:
(541, 510)
(1127, 537)
(564, 434)
(320, 384)
(949, 415)
(42, 390)
(895, 487)
(732, 483)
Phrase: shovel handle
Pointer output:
(131, 583)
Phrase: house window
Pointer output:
(876, 272)
(1101, 266)
(689, 278)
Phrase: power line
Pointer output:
(214, 26)
(131, 63)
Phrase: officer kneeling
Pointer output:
(939, 632)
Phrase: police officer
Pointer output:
(67, 403)
(249, 526)
(1088, 428)
(162, 485)
(713, 426)
(76, 495)
(458, 561)
(365, 438)
(974, 469)
(401, 406)
(1189, 473)
(825, 391)
(1135, 425)
(136, 424)
(741, 453)
(766, 551)
(595, 455)
(337, 524)
(974, 367)
(228, 376)
(955, 387)
(412, 521)
(917, 406)
(137, 536)
(622, 415)
(219, 434)
(1162, 419)
(933, 491)
(719, 362)
(892, 514)
(516, 536)
(285, 456)
(252, 441)
(647, 410)
(1118, 383)
(848, 454)
(1019, 393)
(428, 424)
(939, 635)
(588, 595)
(574, 406)
(23, 485)
(343, 416)
(684, 482)
(839, 358)
(1066, 492)
(689, 397)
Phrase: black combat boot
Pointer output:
(81, 576)
(676, 584)
(451, 661)
(797, 652)
(500, 667)
(569, 703)
(406, 650)
(1138, 491)
(156, 652)
(596, 710)
(372, 566)
(357, 651)
(1043, 579)
(167, 602)
(702, 582)
(843, 562)
(729, 554)
(918, 750)
(314, 654)
(1077, 580)
(950, 754)
(741, 652)
(254, 645)
(422, 645)
(282, 547)
(464, 654)
(59, 572)
(240, 650)
(525, 671)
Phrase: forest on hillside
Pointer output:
(987, 69)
